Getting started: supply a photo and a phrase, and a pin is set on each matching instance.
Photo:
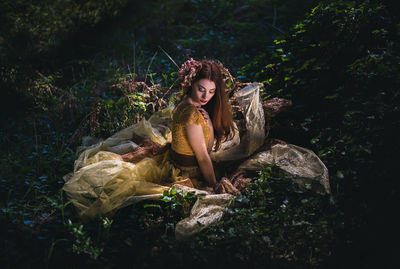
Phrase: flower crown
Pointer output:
(188, 71)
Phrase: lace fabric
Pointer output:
(183, 115)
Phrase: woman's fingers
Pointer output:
(204, 113)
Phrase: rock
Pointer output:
(275, 106)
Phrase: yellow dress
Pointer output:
(184, 115)
(103, 182)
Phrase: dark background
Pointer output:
(65, 73)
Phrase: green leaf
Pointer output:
(331, 97)
(172, 192)
(151, 205)
(166, 199)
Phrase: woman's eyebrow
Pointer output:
(213, 89)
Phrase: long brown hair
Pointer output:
(218, 107)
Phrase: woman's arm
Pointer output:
(198, 144)
(210, 142)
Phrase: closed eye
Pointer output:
(202, 89)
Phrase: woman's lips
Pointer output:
(203, 101)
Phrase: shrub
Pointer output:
(340, 67)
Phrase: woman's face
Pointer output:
(202, 92)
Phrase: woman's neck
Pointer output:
(190, 101)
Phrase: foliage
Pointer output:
(127, 101)
(340, 67)
(273, 222)
(30, 33)
(44, 36)
(32, 207)
(191, 28)
(39, 25)
(73, 70)
(179, 202)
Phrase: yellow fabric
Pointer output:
(183, 115)
(109, 183)
(102, 182)
(156, 128)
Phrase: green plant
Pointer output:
(339, 65)
(82, 241)
(178, 202)
(58, 202)
(273, 221)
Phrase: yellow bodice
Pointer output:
(183, 115)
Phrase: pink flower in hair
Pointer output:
(188, 71)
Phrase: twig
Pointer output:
(129, 69)
(36, 139)
(276, 28)
(148, 67)
(134, 53)
(273, 25)
(173, 83)
(81, 125)
(169, 56)
(36, 145)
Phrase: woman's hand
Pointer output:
(205, 115)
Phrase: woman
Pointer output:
(201, 121)
(104, 181)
